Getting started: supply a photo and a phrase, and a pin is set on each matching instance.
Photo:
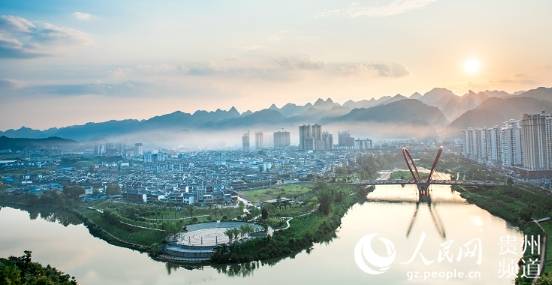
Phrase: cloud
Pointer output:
(344, 68)
(285, 67)
(9, 84)
(12, 48)
(519, 78)
(281, 68)
(82, 16)
(22, 38)
(97, 88)
(390, 9)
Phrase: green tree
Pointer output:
(171, 228)
(72, 191)
(113, 189)
(264, 213)
(230, 234)
(245, 230)
(190, 210)
(21, 270)
(545, 279)
(510, 181)
(110, 217)
(526, 214)
(325, 197)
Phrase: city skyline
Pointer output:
(189, 56)
(275, 142)
(524, 143)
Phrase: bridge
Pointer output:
(424, 195)
(433, 182)
(423, 184)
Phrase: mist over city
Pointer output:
(276, 142)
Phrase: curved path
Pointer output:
(288, 219)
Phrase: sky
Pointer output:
(72, 62)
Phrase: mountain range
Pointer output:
(25, 143)
(439, 107)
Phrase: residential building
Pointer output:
(510, 139)
(305, 138)
(310, 138)
(534, 142)
(258, 140)
(495, 150)
(281, 139)
(362, 144)
(245, 142)
(345, 140)
(327, 141)
(139, 148)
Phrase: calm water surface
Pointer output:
(94, 261)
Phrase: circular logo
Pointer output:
(368, 260)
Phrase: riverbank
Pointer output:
(146, 227)
(519, 205)
(303, 232)
(22, 270)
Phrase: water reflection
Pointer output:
(64, 218)
(391, 211)
(434, 216)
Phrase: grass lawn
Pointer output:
(130, 234)
(291, 191)
(518, 204)
(405, 174)
(130, 217)
(513, 203)
(548, 256)
(302, 233)
(148, 212)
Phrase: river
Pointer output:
(469, 241)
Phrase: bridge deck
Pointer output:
(433, 182)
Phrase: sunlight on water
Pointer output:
(94, 261)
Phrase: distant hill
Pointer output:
(21, 143)
(541, 93)
(262, 117)
(436, 106)
(25, 132)
(407, 111)
(495, 111)
(453, 105)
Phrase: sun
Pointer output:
(472, 66)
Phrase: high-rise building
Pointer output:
(548, 139)
(363, 144)
(310, 137)
(488, 146)
(281, 139)
(327, 141)
(245, 142)
(477, 144)
(316, 132)
(139, 148)
(510, 139)
(495, 150)
(258, 140)
(482, 145)
(345, 140)
(305, 138)
(469, 144)
(100, 149)
(534, 142)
